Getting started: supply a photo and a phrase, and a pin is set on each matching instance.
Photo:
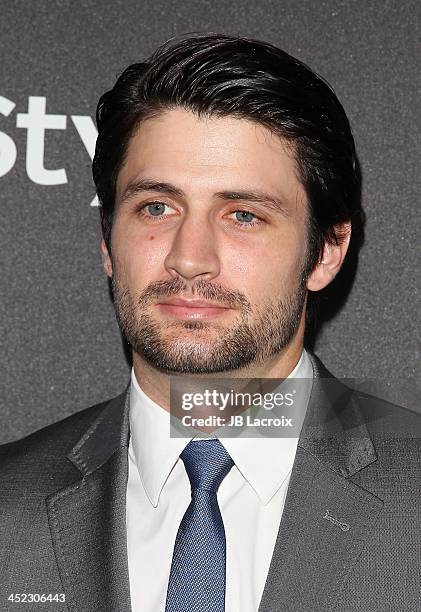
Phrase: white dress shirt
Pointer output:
(251, 499)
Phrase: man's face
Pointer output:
(208, 209)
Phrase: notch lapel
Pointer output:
(88, 518)
(326, 517)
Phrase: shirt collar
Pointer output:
(264, 462)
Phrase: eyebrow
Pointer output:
(139, 186)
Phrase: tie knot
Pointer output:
(207, 463)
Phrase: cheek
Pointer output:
(272, 266)
(138, 259)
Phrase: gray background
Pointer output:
(61, 346)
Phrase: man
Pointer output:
(229, 190)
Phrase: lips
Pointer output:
(191, 303)
(191, 309)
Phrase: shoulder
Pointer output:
(40, 458)
(381, 416)
(386, 418)
(367, 421)
(395, 432)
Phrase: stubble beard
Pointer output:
(185, 347)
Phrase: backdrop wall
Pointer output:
(62, 350)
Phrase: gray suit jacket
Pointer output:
(349, 539)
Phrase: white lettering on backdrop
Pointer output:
(36, 121)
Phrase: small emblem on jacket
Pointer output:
(335, 521)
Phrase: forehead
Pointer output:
(209, 153)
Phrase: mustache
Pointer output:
(206, 290)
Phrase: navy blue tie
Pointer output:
(197, 577)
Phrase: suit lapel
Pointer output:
(88, 521)
(326, 516)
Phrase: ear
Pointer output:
(106, 260)
(331, 260)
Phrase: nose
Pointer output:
(193, 252)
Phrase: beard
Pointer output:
(206, 347)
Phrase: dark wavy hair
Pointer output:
(221, 75)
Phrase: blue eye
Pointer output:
(245, 216)
(156, 208)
